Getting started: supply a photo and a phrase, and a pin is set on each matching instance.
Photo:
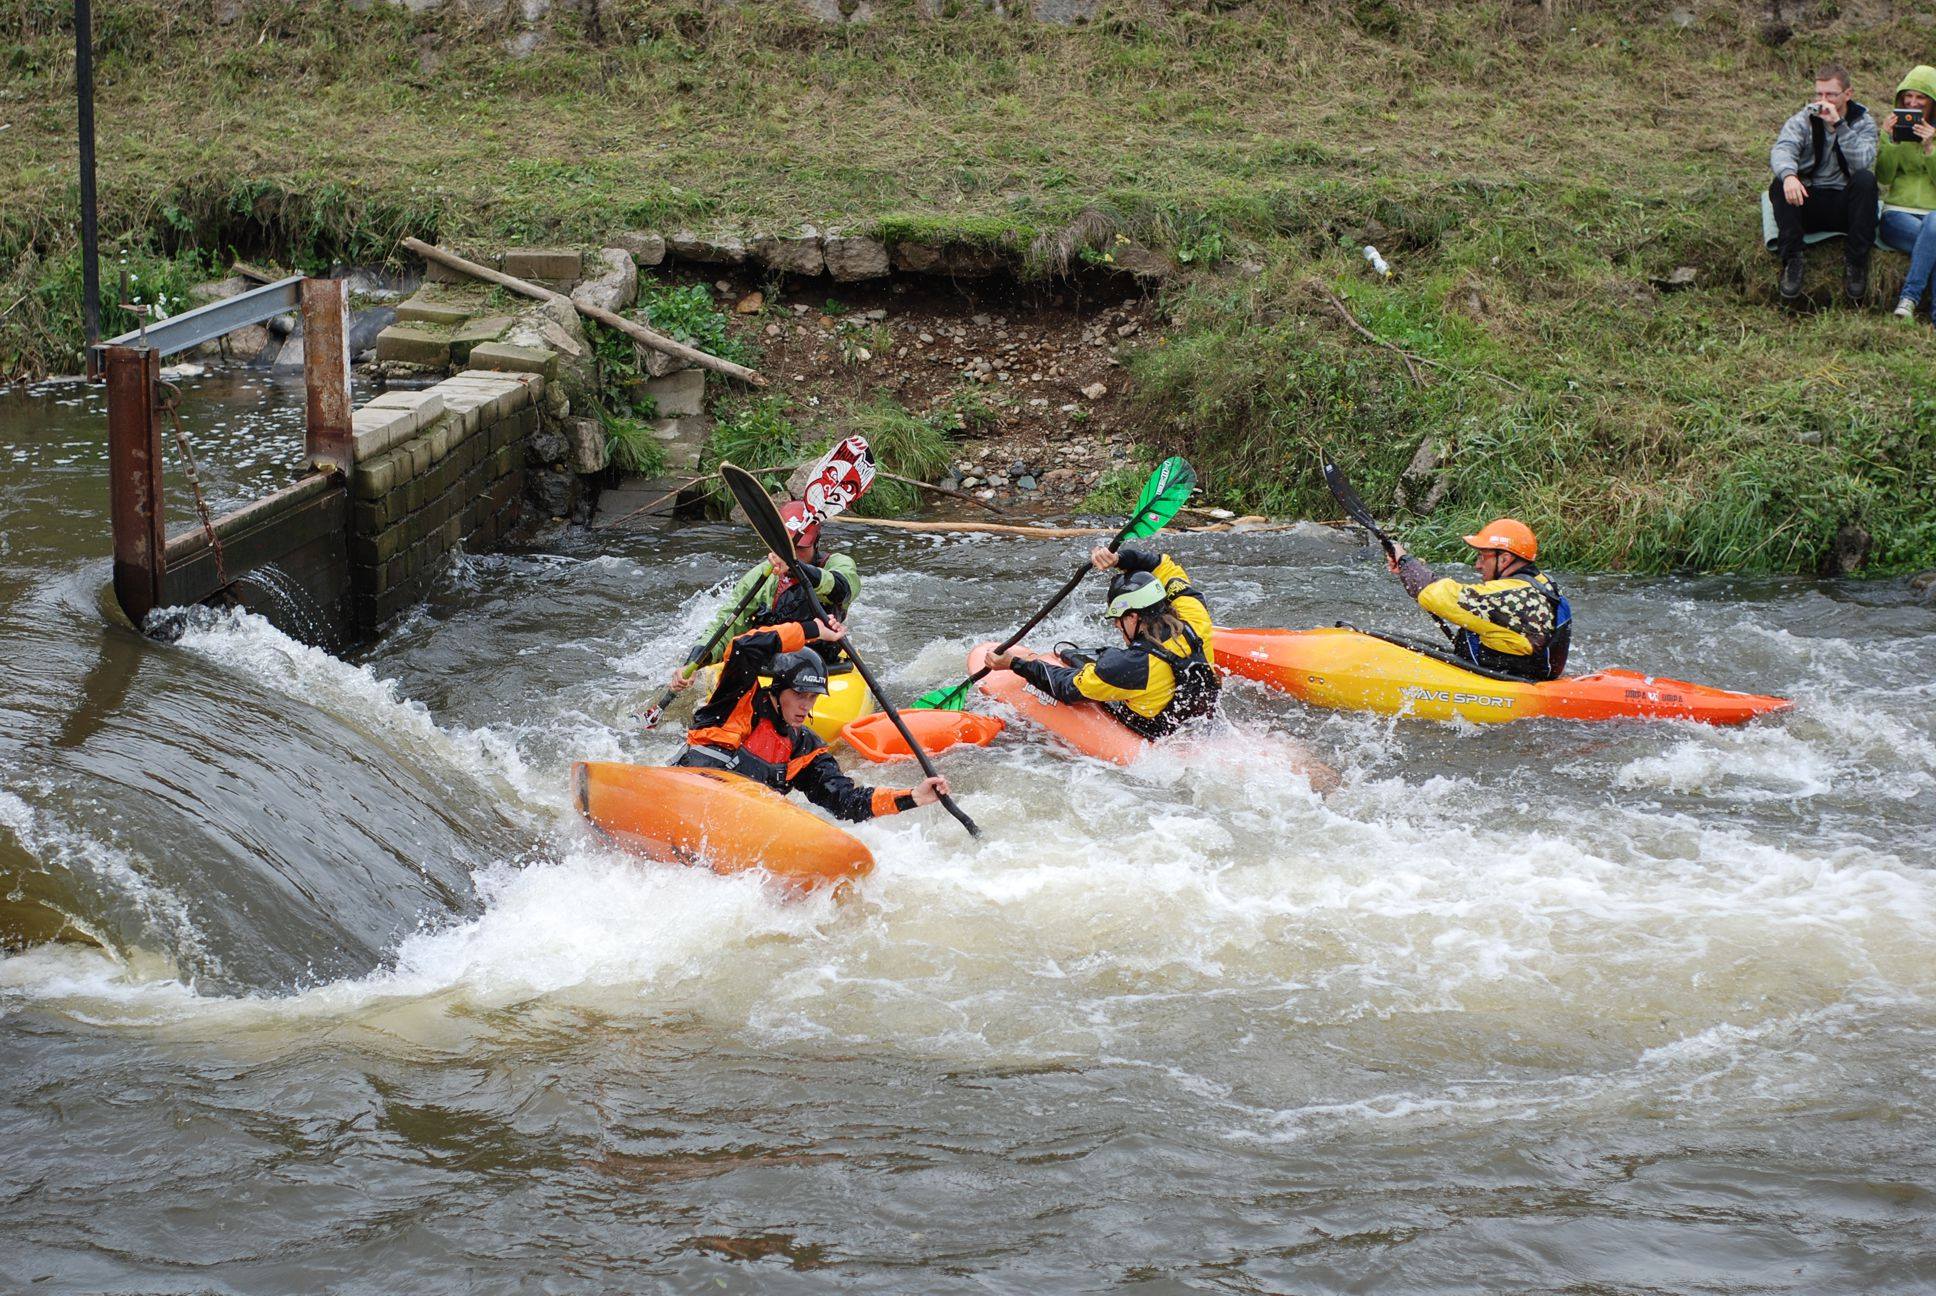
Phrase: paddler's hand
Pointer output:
(829, 630)
(1102, 558)
(680, 681)
(1000, 661)
(777, 563)
(929, 791)
(1396, 557)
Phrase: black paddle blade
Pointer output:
(759, 508)
(1354, 508)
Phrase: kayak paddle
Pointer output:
(842, 476)
(1167, 490)
(651, 716)
(1354, 508)
(765, 518)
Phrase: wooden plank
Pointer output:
(328, 438)
(134, 479)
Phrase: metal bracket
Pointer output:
(206, 323)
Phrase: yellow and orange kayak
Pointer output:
(1353, 671)
(847, 699)
(720, 820)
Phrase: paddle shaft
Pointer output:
(853, 655)
(1047, 608)
(656, 712)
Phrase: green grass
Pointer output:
(685, 313)
(1526, 174)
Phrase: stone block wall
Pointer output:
(435, 470)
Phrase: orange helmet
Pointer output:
(1510, 534)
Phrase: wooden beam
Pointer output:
(328, 439)
(637, 332)
(134, 479)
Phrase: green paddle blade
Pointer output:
(1167, 490)
(942, 699)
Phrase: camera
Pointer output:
(1907, 119)
(1814, 110)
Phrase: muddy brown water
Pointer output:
(1540, 1008)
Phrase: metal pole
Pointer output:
(134, 480)
(329, 439)
(90, 235)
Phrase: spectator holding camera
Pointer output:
(1824, 164)
(1906, 172)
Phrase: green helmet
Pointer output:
(1134, 592)
(800, 670)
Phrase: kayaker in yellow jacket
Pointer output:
(1161, 676)
(1514, 619)
(760, 731)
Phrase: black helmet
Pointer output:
(802, 671)
(1134, 592)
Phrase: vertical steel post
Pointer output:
(134, 479)
(90, 234)
(327, 439)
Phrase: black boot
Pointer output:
(1855, 278)
(1791, 278)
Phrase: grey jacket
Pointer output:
(1794, 150)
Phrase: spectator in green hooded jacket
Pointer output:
(1906, 172)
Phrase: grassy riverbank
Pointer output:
(1529, 179)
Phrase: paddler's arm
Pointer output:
(826, 785)
(1115, 676)
(1412, 574)
(837, 582)
(745, 585)
(1416, 577)
(747, 658)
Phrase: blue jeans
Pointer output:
(1916, 235)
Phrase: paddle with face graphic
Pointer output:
(765, 519)
(842, 476)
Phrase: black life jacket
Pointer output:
(1545, 663)
(774, 774)
(1197, 690)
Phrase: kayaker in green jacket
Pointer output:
(1906, 171)
(766, 595)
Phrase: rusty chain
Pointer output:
(170, 404)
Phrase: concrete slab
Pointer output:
(416, 344)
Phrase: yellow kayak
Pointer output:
(847, 699)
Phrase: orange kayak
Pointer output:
(1354, 671)
(1082, 725)
(711, 817)
(1091, 730)
(875, 737)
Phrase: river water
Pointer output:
(1534, 1008)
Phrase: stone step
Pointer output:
(415, 343)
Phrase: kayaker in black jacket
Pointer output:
(760, 732)
(1514, 619)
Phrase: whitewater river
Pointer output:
(1539, 1008)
